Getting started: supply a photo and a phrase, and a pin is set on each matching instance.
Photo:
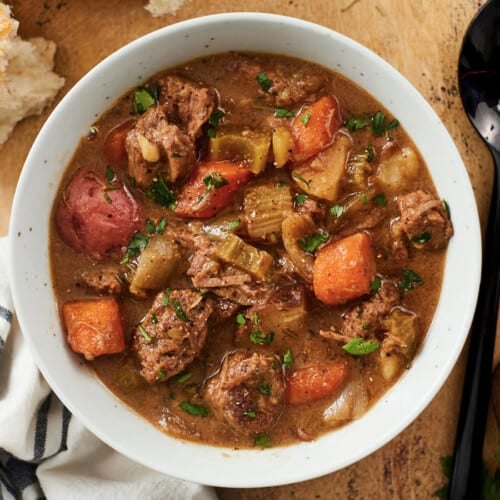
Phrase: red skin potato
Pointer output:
(93, 218)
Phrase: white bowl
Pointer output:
(74, 382)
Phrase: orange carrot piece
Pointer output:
(314, 382)
(94, 327)
(210, 188)
(314, 127)
(344, 270)
(114, 143)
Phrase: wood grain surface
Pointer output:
(421, 38)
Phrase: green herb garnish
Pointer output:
(305, 118)
(194, 409)
(161, 375)
(288, 358)
(250, 414)
(144, 333)
(262, 440)
(214, 180)
(300, 199)
(313, 241)
(359, 346)
(179, 312)
(376, 284)
(263, 81)
(258, 337)
(282, 113)
(213, 121)
(183, 377)
(166, 298)
(265, 388)
(144, 99)
(161, 194)
(240, 319)
(379, 199)
(421, 238)
(138, 243)
(110, 175)
(234, 224)
(297, 176)
(410, 280)
(336, 210)
(356, 123)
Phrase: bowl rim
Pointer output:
(308, 459)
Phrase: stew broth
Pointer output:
(298, 166)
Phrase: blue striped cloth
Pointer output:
(45, 452)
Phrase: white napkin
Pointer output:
(45, 452)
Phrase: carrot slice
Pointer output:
(210, 188)
(314, 382)
(94, 327)
(314, 127)
(114, 143)
(344, 270)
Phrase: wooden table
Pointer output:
(421, 38)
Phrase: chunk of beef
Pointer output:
(95, 219)
(287, 92)
(187, 105)
(224, 280)
(104, 281)
(424, 220)
(366, 319)
(172, 334)
(247, 393)
(156, 147)
(223, 309)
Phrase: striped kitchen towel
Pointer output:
(45, 452)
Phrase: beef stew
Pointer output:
(248, 250)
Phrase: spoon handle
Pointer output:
(466, 481)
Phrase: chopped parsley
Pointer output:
(297, 176)
(107, 197)
(161, 194)
(305, 119)
(262, 440)
(300, 199)
(213, 121)
(288, 358)
(263, 81)
(144, 98)
(313, 241)
(370, 153)
(376, 284)
(410, 280)
(158, 228)
(138, 243)
(359, 346)
(214, 180)
(240, 319)
(194, 409)
(282, 113)
(161, 375)
(258, 337)
(144, 333)
(379, 199)
(250, 414)
(183, 377)
(446, 207)
(265, 388)
(179, 312)
(356, 123)
(337, 210)
(166, 298)
(421, 238)
(110, 175)
(378, 123)
(363, 199)
(234, 224)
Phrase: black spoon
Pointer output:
(479, 83)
